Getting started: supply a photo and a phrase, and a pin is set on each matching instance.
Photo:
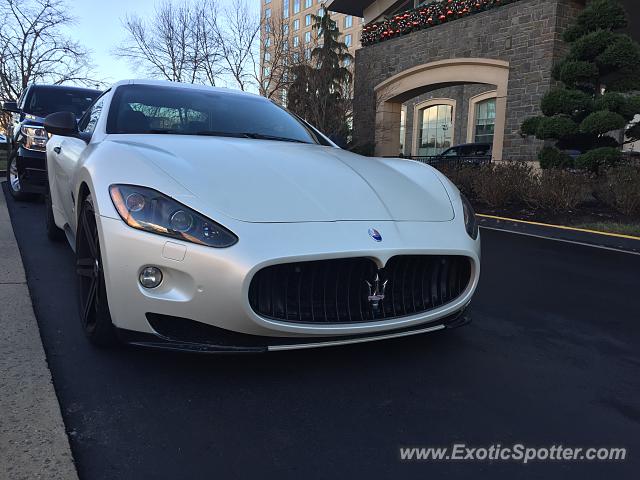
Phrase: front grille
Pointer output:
(336, 291)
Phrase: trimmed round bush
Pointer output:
(594, 160)
(591, 45)
(598, 15)
(530, 126)
(551, 157)
(574, 72)
(562, 101)
(623, 52)
(599, 123)
(553, 128)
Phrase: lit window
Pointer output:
(267, 42)
(308, 3)
(285, 8)
(307, 37)
(296, 41)
(348, 21)
(296, 24)
(267, 56)
(435, 129)
(296, 6)
(321, 12)
(307, 20)
(485, 121)
(347, 40)
(267, 13)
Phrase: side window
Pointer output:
(90, 119)
(23, 95)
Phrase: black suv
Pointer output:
(26, 158)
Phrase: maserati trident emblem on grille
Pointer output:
(375, 234)
(376, 292)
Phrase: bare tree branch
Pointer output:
(34, 50)
(178, 43)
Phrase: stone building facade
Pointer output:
(509, 51)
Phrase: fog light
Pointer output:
(150, 277)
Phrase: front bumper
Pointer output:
(32, 170)
(206, 339)
(210, 286)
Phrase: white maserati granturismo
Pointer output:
(210, 220)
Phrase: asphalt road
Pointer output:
(552, 357)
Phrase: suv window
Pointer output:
(43, 101)
(90, 119)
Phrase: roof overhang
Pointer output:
(350, 7)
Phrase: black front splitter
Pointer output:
(232, 342)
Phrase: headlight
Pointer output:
(146, 209)
(470, 222)
(35, 138)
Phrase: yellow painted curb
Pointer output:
(561, 227)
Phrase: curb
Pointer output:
(613, 241)
(33, 441)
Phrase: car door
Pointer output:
(66, 154)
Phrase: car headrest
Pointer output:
(131, 121)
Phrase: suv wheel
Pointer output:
(53, 232)
(13, 179)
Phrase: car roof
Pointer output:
(476, 144)
(186, 86)
(64, 87)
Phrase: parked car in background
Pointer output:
(26, 164)
(458, 155)
(210, 220)
(468, 153)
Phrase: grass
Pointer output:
(632, 229)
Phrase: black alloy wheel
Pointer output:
(94, 308)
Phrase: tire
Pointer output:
(92, 294)
(13, 180)
(54, 233)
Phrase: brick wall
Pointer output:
(527, 34)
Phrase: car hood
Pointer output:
(270, 181)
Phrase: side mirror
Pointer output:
(11, 107)
(61, 123)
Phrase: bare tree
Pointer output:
(277, 57)
(33, 48)
(197, 42)
(178, 43)
(238, 33)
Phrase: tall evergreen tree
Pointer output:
(598, 75)
(321, 89)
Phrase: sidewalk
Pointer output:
(33, 442)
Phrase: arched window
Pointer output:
(435, 129)
(485, 121)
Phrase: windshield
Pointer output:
(43, 101)
(180, 111)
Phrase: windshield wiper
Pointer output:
(261, 136)
(168, 131)
(255, 136)
(215, 133)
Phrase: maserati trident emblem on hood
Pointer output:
(376, 291)
(375, 234)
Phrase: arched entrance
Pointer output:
(393, 92)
